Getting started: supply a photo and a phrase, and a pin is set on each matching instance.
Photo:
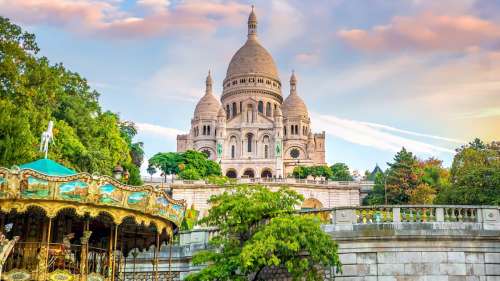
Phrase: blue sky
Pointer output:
(376, 75)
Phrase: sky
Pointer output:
(376, 75)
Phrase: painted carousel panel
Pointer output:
(74, 190)
(36, 188)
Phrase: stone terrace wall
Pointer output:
(396, 243)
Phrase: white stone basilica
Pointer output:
(252, 132)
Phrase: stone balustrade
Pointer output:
(280, 181)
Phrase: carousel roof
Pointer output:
(48, 167)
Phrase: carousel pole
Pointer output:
(157, 252)
(170, 259)
(49, 230)
(114, 252)
(110, 253)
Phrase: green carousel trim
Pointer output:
(88, 194)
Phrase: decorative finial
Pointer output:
(208, 83)
(47, 137)
(293, 83)
(252, 24)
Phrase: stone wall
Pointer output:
(401, 243)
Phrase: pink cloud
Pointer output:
(425, 32)
(106, 18)
(307, 58)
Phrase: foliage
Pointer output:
(190, 165)
(190, 219)
(422, 194)
(314, 171)
(257, 230)
(300, 172)
(151, 171)
(475, 175)
(33, 92)
(377, 194)
(340, 172)
(401, 178)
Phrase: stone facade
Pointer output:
(317, 194)
(252, 132)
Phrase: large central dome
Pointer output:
(252, 58)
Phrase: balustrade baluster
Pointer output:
(460, 218)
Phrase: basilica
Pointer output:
(252, 132)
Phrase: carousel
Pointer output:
(56, 224)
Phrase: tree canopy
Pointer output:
(340, 172)
(190, 165)
(34, 92)
(257, 230)
(475, 175)
(336, 172)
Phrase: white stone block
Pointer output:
(472, 278)
(493, 278)
(456, 257)
(456, 278)
(409, 257)
(492, 257)
(366, 258)
(387, 278)
(492, 269)
(386, 257)
(436, 278)
(355, 270)
(391, 269)
(348, 258)
(475, 269)
(436, 257)
(431, 269)
(474, 257)
(452, 268)
(414, 269)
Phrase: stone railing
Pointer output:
(398, 214)
(288, 181)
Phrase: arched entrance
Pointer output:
(249, 173)
(231, 173)
(311, 203)
(266, 173)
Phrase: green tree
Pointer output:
(401, 177)
(300, 172)
(190, 165)
(151, 171)
(377, 194)
(33, 92)
(321, 171)
(340, 172)
(475, 175)
(258, 230)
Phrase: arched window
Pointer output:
(249, 142)
(296, 129)
(232, 151)
(268, 109)
(284, 131)
(266, 151)
(228, 112)
(292, 131)
(261, 107)
(235, 110)
(208, 130)
(204, 130)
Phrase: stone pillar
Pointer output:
(440, 214)
(396, 215)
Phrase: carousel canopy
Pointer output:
(48, 167)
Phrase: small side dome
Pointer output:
(294, 106)
(208, 106)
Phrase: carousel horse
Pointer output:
(46, 138)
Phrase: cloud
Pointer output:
(156, 130)
(378, 136)
(307, 58)
(485, 113)
(424, 32)
(108, 19)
